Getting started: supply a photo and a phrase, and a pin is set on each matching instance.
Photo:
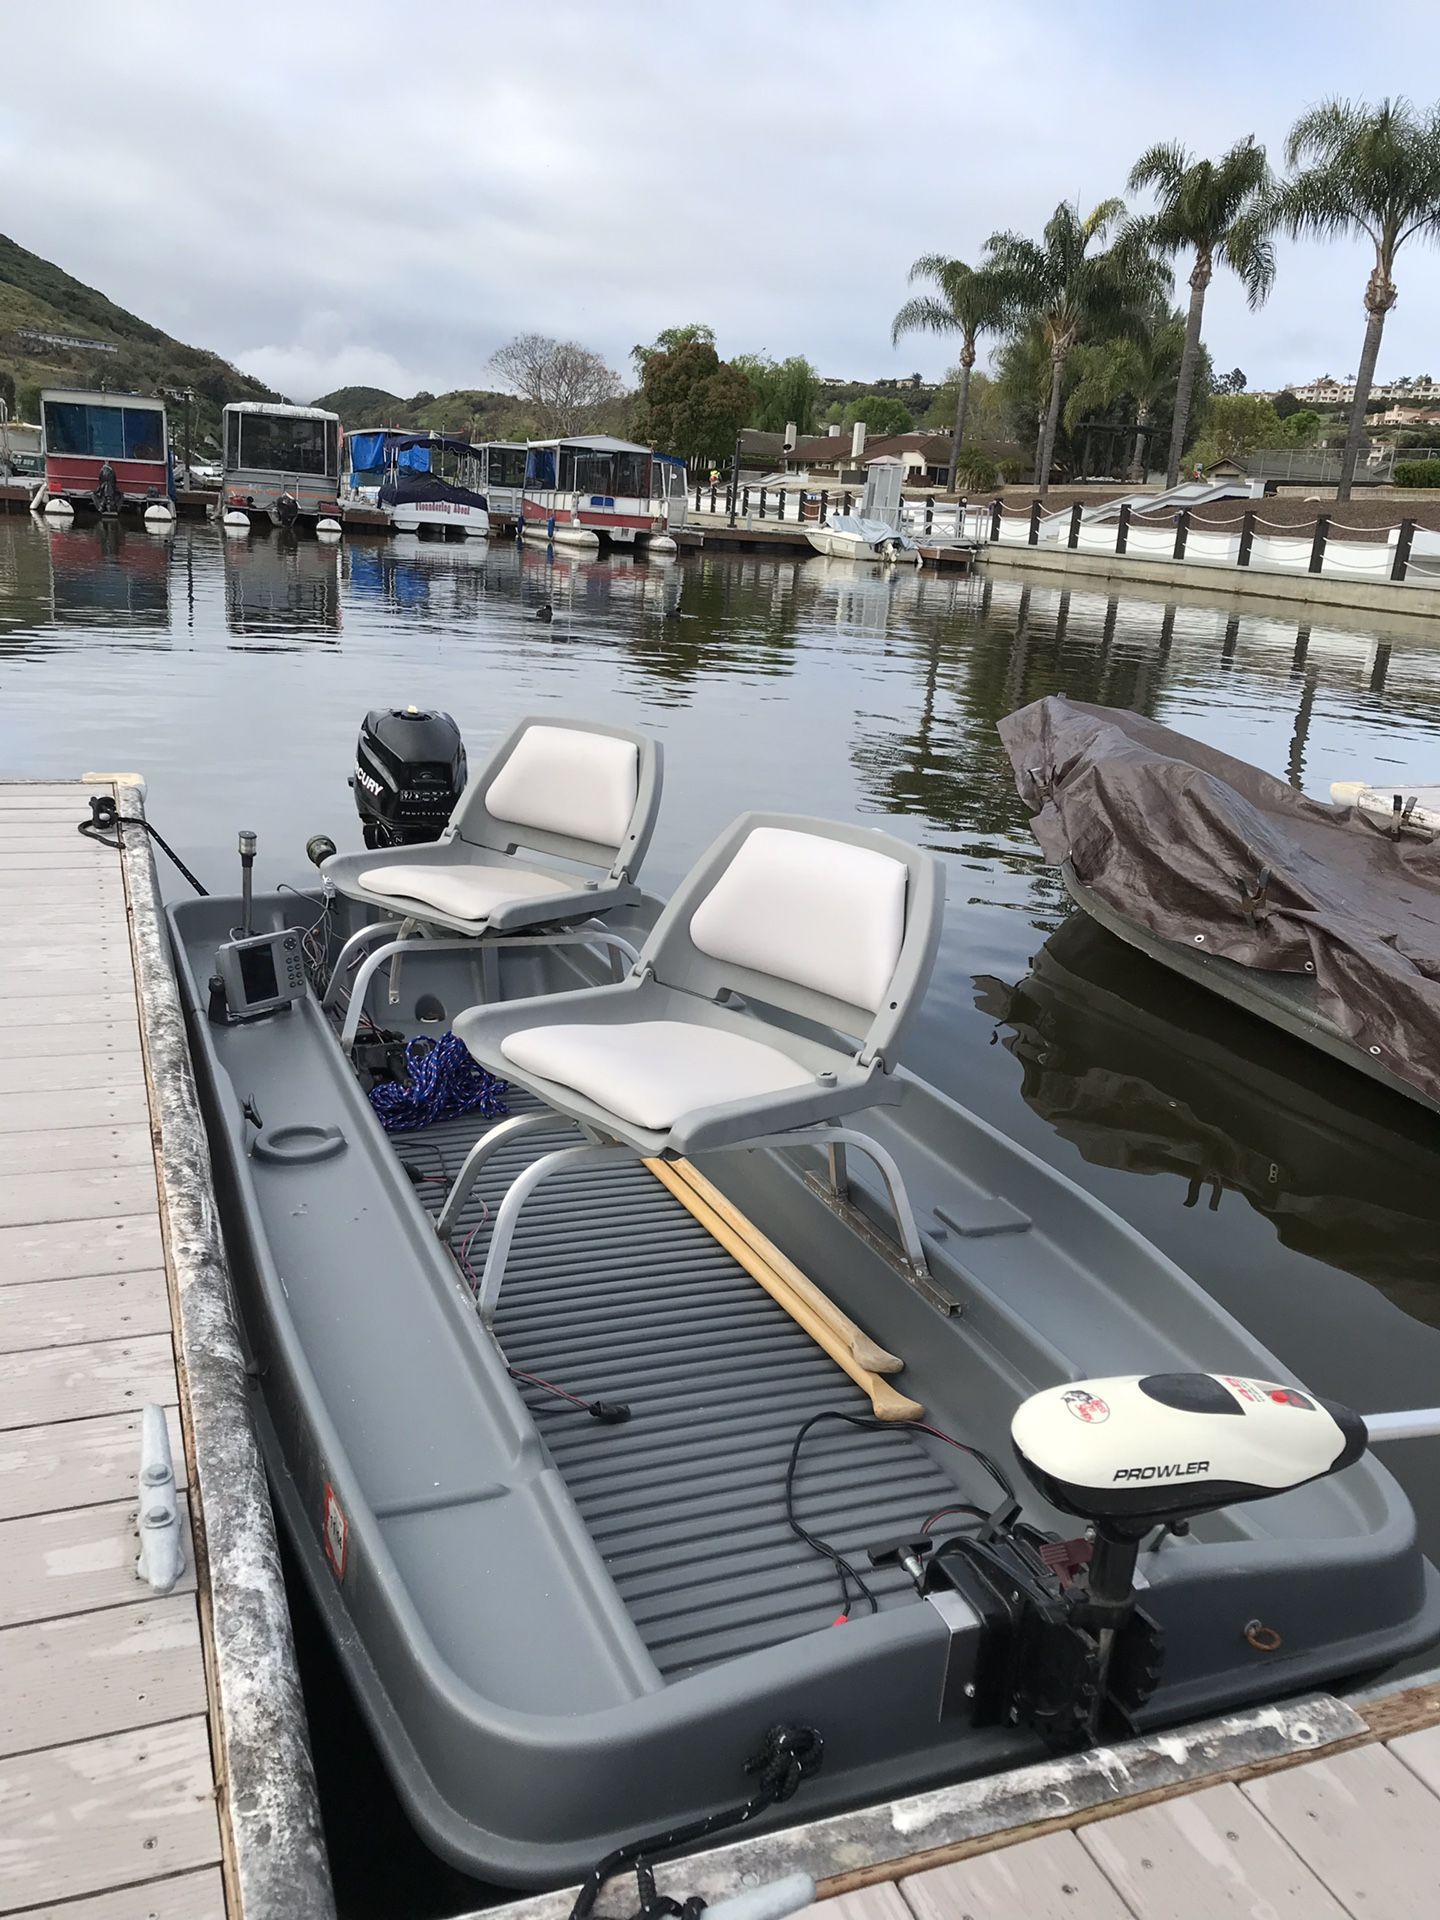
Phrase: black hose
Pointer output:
(105, 818)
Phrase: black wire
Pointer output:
(109, 816)
(867, 1423)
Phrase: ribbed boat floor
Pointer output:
(615, 1292)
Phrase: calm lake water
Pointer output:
(234, 675)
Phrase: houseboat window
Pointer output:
(232, 440)
(540, 467)
(506, 467)
(276, 443)
(105, 433)
(594, 472)
(632, 475)
(567, 469)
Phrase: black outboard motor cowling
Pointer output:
(409, 773)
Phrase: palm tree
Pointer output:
(971, 302)
(1074, 293)
(1146, 370)
(1371, 172)
(1215, 209)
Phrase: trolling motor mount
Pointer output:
(1067, 1648)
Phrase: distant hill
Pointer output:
(57, 332)
(476, 411)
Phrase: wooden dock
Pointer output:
(1317, 1808)
(125, 1716)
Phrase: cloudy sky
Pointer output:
(381, 193)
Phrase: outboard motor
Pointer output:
(1069, 1649)
(409, 774)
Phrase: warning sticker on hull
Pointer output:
(337, 1533)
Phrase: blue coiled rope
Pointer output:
(443, 1079)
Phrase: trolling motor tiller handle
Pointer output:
(1069, 1648)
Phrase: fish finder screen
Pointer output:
(257, 973)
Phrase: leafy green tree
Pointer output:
(1235, 423)
(1232, 382)
(670, 340)
(1299, 429)
(784, 391)
(969, 301)
(1145, 369)
(692, 401)
(1075, 288)
(1285, 404)
(1215, 210)
(1370, 173)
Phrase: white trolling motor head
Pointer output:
(1140, 1451)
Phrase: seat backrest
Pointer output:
(834, 923)
(575, 788)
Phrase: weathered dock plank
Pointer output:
(66, 1313)
(1367, 1826)
(53, 1564)
(76, 1463)
(186, 1896)
(1200, 1855)
(41, 1149)
(84, 1193)
(1421, 1753)
(70, 1072)
(83, 1036)
(65, 1249)
(1052, 1878)
(86, 1817)
(44, 1384)
(90, 1674)
(73, 1107)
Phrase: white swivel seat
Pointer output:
(551, 831)
(766, 1005)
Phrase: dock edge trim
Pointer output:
(892, 1839)
(275, 1861)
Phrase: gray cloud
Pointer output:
(330, 194)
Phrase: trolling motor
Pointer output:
(1068, 1647)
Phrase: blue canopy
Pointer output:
(372, 452)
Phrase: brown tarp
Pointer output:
(1205, 851)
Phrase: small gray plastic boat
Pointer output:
(569, 1628)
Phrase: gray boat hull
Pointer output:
(565, 1636)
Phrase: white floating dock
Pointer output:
(153, 1759)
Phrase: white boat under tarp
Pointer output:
(845, 536)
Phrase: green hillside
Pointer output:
(38, 298)
(473, 411)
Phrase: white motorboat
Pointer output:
(845, 536)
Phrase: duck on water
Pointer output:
(657, 1378)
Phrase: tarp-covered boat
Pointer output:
(1311, 916)
(568, 1628)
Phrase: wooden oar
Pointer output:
(887, 1403)
(868, 1354)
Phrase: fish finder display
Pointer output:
(257, 973)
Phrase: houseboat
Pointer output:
(281, 464)
(421, 482)
(503, 468)
(105, 453)
(581, 491)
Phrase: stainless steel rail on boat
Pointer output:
(396, 949)
(560, 1159)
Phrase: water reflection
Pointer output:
(281, 585)
(1144, 1072)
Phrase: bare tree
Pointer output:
(561, 383)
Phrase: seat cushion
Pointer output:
(649, 1072)
(818, 912)
(565, 780)
(465, 893)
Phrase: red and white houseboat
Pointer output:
(105, 453)
(584, 490)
